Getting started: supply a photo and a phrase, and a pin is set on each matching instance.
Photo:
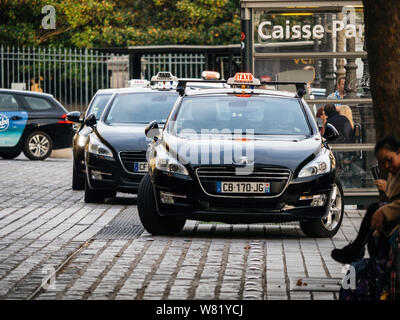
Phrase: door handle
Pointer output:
(16, 118)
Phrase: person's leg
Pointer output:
(355, 250)
(365, 226)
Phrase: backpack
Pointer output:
(371, 273)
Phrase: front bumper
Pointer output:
(106, 173)
(192, 202)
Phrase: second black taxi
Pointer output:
(115, 149)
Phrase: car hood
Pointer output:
(124, 137)
(282, 151)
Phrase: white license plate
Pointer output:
(141, 167)
(243, 187)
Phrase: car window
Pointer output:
(38, 104)
(141, 107)
(8, 102)
(265, 115)
(98, 104)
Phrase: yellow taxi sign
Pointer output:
(244, 78)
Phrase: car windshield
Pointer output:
(262, 115)
(141, 107)
(98, 104)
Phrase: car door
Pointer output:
(13, 119)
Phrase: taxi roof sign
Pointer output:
(139, 83)
(164, 76)
(210, 75)
(244, 78)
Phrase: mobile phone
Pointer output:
(375, 172)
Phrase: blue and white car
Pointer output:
(33, 123)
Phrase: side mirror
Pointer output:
(330, 133)
(152, 130)
(90, 120)
(74, 116)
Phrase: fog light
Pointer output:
(318, 200)
(98, 175)
(167, 197)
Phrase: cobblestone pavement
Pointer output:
(101, 251)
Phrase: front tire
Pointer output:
(330, 225)
(38, 145)
(93, 196)
(97, 196)
(148, 214)
(78, 180)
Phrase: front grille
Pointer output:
(277, 177)
(128, 159)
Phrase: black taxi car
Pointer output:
(96, 106)
(115, 150)
(33, 123)
(241, 155)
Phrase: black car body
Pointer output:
(274, 185)
(115, 151)
(96, 106)
(32, 122)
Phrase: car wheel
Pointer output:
(150, 218)
(78, 180)
(38, 145)
(93, 196)
(328, 226)
(10, 155)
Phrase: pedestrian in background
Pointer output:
(345, 110)
(340, 122)
(339, 93)
(321, 120)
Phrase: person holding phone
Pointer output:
(380, 217)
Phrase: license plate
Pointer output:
(243, 187)
(141, 167)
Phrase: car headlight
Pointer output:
(97, 147)
(321, 164)
(166, 162)
(81, 141)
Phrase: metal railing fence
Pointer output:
(72, 76)
(182, 65)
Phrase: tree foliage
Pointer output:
(115, 23)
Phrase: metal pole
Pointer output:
(39, 68)
(247, 40)
(12, 63)
(76, 79)
(86, 77)
(2, 67)
(59, 73)
(44, 70)
(29, 69)
(65, 78)
(18, 64)
(54, 72)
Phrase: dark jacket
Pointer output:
(342, 124)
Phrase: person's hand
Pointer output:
(377, 222)
(381, 184)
